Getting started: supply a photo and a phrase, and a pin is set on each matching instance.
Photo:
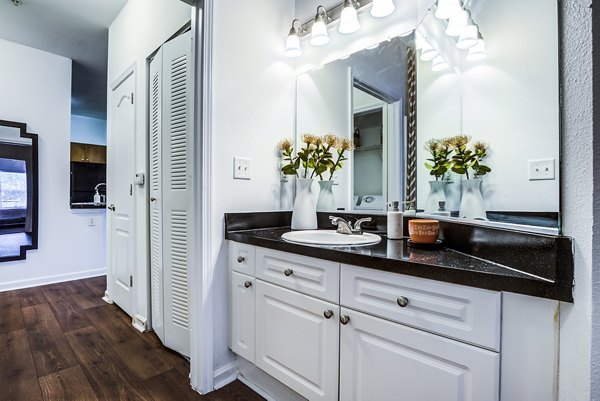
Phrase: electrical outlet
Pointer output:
(541, 170)
(241, 168)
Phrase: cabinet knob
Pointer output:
(328, 314)
(248, 284)
(288, 272)
(402, 301)
(344, 319)
(241, 259)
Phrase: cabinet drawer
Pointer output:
(464, 313)
(243, 315)
(242, 258)
(310, 276)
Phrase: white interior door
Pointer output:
(176, 189)
(120, 187)
(156, 216)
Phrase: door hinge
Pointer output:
(131, 97)
(131, 281)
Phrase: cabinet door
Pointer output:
(243, 315)
(385, 361)
(77, 152)
(95, 154)
(297, 341)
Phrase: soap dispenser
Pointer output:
(395, 221)
(410, 209)
(97, 198)
(442, 210)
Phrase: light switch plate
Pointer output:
(241, 168)
(541, 170)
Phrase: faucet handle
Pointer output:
(343, 227)
(357, 225)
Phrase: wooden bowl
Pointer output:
(423, 231)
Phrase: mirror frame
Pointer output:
(22, 127)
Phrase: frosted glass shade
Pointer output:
(382, 8)
(447, 9)
(477, 52)
(439, 64)
(319, 35)
(457, 24)
(349, 20)
(292, 46)
(428, 53)
(468, 38)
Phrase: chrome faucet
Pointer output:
(344, 227)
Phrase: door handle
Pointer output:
(153, 199)
(112, 208)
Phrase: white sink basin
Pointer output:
(330, 237)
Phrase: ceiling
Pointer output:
(77, 29)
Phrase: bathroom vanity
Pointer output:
(379, 321)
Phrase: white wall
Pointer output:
(88, 130)
(36, 89)
(252, 109)
(578, 201)
(509, 100)
(141, 28)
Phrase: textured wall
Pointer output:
(577, 192)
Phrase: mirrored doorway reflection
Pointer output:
(18, 191)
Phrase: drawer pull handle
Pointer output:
(402, 301)
(248, 284)
(241, 259)
(288, 272)
(344, 319)
(328, 314)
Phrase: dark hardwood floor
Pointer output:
(62, 342)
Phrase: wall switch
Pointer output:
(541, 170)
(241, 168)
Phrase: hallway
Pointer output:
(62, 342)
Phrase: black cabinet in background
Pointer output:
(84, 177)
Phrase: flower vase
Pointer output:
(304, 214)
(437, 194)
(326, 201)
(471, 202)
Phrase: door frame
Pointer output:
(129, 71)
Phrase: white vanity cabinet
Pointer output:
(346, 333)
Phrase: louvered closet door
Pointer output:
(176, 190)
(156, 201)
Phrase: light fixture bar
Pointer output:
(335, 14)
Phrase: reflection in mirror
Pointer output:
(504, 100)
(18, 191)
(363, 98)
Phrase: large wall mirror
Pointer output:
(18, 191)
(463, 133)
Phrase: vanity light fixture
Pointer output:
(349, 17)
(439, 64)
(478, 51)
(468, 37)
(292, 43)
(319, 35)
(447, 9)
(458, 23)
(382, 8)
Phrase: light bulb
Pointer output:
(382, 8)
(457, 24)
(478, 51)
(439, 64)
(319, 35)
(468, 37)
(349, 19)
(292, 43)
(447, 9)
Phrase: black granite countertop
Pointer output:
(88, 206)
(445, 264)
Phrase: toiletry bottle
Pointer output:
(395, 221)
(442, 210)
(97, 198)
(409, 209)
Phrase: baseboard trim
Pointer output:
(225, 375)
(36, 282)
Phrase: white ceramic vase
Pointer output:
(304, 214)
(471, 202)
(326, 201)
(437, 194)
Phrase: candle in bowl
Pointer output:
(423, 231)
